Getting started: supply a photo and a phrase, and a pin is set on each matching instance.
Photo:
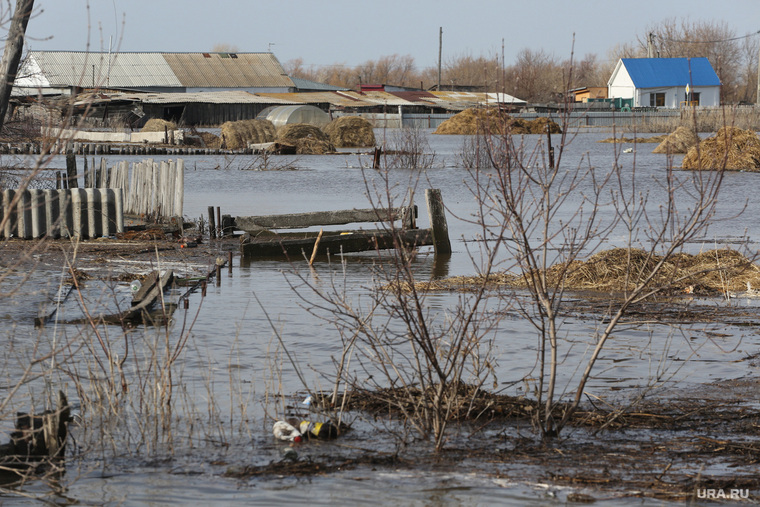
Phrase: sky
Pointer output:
(352, 32)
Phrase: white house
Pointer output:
(665, 82)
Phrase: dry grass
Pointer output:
(238, 135)
(733, 148)
(350, 132)
(308, 139)
(478, 121)
(158, 125)
(678, 142)
(712, 272)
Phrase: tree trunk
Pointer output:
(14, 46)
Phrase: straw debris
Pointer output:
(480, 121)
(679, 141)
(308, 139)
(237, 135)
(713, 272)
(350, 132)
(158, 125)
(731, 148)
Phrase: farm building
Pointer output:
(67, 72)
(665, 82)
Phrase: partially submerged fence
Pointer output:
(150, 188)
(87, 213)
(147, 188)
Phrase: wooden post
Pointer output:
(549, 145)
(211, 223)
(229, 262)
(376, 158)
(219, 231)
(437, 214)
(71, 171)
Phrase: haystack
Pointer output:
(238, 135)
(679, 141)
(481, 121)
(733, 148)
(158, 125)
(308, 139)
(537, 126)
(473, 121)
(350, 132)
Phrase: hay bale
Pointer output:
(733, 148)
(237, 135)
(308, 139)
(158, 125)
(679, 141)
(492, 121)
(350, 132)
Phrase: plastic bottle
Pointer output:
(135, 286)
(322, 431)
(285, 431)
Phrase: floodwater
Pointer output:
(233, 369)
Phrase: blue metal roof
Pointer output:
(658, 72)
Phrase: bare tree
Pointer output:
(544, 216)
(14, 47)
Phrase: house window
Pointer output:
(657, 99)
(692, 98)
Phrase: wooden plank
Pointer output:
(319, 218)
(354, 242)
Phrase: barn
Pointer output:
(665, 82)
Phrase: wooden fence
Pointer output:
(150, 188)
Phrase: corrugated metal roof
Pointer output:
(340, 99)
(85, 69)
(658, 72)
(307, 84)
(228, 70)
(157, 70)
(225, 97)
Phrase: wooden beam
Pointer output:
(353, 242)
(320, 218)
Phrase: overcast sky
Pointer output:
(352, 32)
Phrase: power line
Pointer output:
(706, 41)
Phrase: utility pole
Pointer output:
(650, 45)
(757, 98)
(440, 51)
(14, 46)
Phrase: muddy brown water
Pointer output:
(232, 359)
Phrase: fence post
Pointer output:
(438, 225)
